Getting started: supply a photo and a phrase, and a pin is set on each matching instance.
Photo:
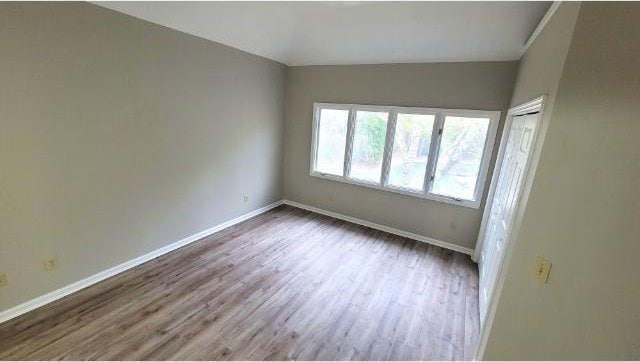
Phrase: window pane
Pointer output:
(332, 137)
(460, 156)
(368, 145)
(410, 150)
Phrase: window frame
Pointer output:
(434, 147)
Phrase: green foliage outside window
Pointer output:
(370, 147)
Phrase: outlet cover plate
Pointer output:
(50, 264)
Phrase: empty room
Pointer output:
(319, 180)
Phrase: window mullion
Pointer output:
(434, 147)
(388, 147)
(349, 144)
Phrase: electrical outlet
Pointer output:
(50, 264)
(542, 270)
(4, 280)
(246, 198)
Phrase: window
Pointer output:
(460, 156)
(332, 138)
(411, 144)
(438, 154)
(369, 139)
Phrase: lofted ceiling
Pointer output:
(353, 32)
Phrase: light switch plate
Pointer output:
(542, 269)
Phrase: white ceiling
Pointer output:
(353, 32)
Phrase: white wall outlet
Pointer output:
(50, 264)
(4, 280)
(246, 198)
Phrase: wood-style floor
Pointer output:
(288, 284)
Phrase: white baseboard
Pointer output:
(388, 229)
(81, 284)
(86, 282)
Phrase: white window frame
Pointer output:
(436, 137)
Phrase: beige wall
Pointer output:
(583, 213)
(541, 66)
(480, 85)
(118, 137)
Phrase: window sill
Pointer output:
(421, 195)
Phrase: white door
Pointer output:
(505, 201)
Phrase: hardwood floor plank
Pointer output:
(288, 284)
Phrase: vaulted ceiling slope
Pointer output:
(353, 32)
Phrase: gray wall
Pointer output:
(479, 85)
(118, 137)
(583, 212)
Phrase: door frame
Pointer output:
(534, 105)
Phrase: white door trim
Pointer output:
(535, 105)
